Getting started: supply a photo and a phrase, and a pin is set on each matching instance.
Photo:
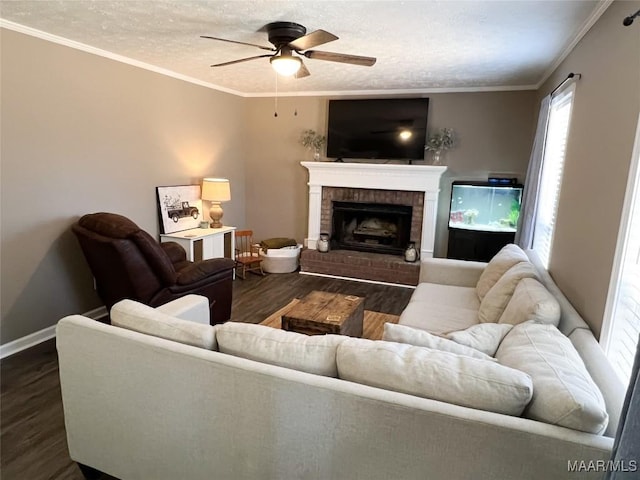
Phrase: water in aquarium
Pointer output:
(485, 207)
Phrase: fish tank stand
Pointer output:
(478, 246)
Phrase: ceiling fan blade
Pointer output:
(240, 61)
(341, 57)
(313, 39)
(271, 49)
(303, 72)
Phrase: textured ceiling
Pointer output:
(420, 45)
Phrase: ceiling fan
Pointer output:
(290, 38)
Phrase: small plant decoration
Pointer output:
(440, 142)
(514, 214)
(443, 140)
(313, 141)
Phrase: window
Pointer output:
(622, 315)
(551, 176)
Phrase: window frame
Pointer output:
(630, 208)
(545, 257)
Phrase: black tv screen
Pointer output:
(384, 128)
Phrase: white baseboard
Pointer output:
(362, 280)
(43, 335)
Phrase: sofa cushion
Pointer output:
(497, 298)
(531, 301)
(443, 376)
(420, 338)
(311, 354)
(144, 319)
(449, 295)
(484, 337)
(563, 392)
(441, 308)
(502, 261)
(437, 319)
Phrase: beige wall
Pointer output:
(277, 196)
(81, 133)
(605, 113)
(494, 132)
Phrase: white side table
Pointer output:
(205, 243)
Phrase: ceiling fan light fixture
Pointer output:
(288, 38)
(285, 65)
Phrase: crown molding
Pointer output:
(395, 92)
(16, 27)
(593, 18)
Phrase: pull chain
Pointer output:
(295, 106)
(275, 114)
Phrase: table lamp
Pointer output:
(216, 190)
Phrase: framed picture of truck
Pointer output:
(179, 207)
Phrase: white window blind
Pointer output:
(622, 316)
(551, 176)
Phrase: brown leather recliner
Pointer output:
(128, 263)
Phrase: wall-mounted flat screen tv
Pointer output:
(383, 128)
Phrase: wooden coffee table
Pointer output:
(323, 312)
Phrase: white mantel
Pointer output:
(413, 178)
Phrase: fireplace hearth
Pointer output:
(371, 227)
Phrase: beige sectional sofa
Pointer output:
(454, 295)
(154, 396)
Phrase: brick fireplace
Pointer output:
(399, 202)
(386, 205)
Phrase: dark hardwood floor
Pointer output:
(33, 442)
(258, 297)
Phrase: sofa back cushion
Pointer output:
(531, 301)
(563, 392)
(144, 319)
(484, 337)
(421, 338)
(495, 301)
(434, 374)
(311, 354)
(502, 261)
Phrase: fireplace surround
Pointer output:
(419, 183)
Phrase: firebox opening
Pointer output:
(371, 227)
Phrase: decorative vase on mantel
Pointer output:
(439, 143)
(436, 157)
(313, 142)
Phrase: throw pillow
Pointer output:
(564, 393)
(485, 337)
(443, 376)
(531, 301)
(506, 258)
(144, 319)
(311, 354)
(421, 338)
(495, 301)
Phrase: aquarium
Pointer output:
(485, 206)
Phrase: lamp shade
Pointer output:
(216, 189)
(285, 65)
